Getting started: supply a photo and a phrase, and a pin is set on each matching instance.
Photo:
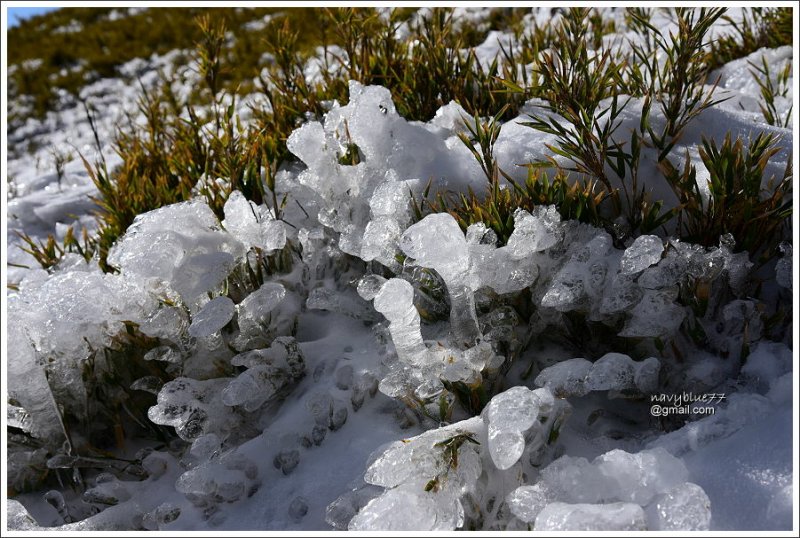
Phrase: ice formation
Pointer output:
(464, 318)
(252, 225)
(268, 372)
(194, 408)
(612, 371)
(159, 245)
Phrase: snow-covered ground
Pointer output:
(317, 399)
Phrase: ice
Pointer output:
(576, 480)
(566, 378)
(508, 416)
(107, 490)
(645, 251)
(767, 362)
(567, 289)
(438, 243)
(269, 372)
(253, 311)
(591, 517)
(535, 232)
(685, 507)
(526, 502)
(193, 408)
(612, 371)
(656, 315)
(623, 295)
(339, 301)
(253, 225)
(370, 125)
(396, 302)
(783, 269)
(646, 375)
(639, 477)
(182, 244)
(165, 354)
(214, 315)
(369, 286)
(400, 510)
(380, 241)
(18, 517)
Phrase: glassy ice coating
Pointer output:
(194, 408)
(612, 371)
(526, 502)
(253, 225)
(395, 300)
(253, 311)
(369, 127)
(212, 317)
(645, 251)
(182, 244)
(535, 231)
(268, 372)
(440, 470)
(508, 416)
(566, 378)
(438, 243)
(685, 507)
(591, 517)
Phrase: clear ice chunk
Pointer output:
(396, 302)
(656, 315)
(612, 371)
(508, 415)
(645, 251)
(535, 232)
(641, 476)
(253, 225)
(214, 315)
(566, 378)
(409, 507)
(526, 502)
(685, 507)
(253, 311)
(591, 517)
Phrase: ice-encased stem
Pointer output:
(396, 302)
(463, 320)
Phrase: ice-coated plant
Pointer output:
(436, 477)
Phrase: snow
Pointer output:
(399, 375)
